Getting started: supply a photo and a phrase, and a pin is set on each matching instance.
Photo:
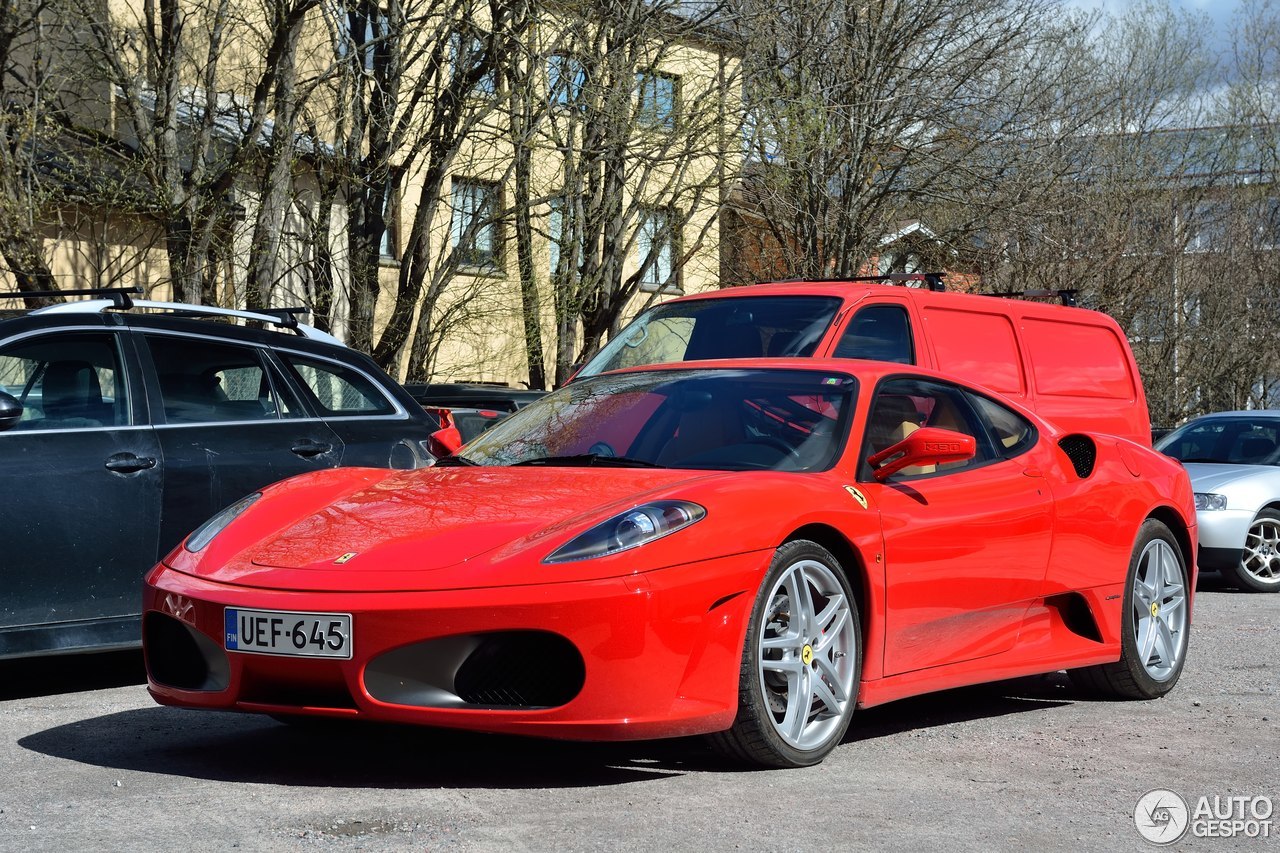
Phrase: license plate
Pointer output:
(276, 632)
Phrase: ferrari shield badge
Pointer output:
(857, 496)
(345, 558)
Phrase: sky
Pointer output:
(1219, 11)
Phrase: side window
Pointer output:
(338, 390)
(902, 406)
(70, 381)
(1013, 434)
(206, 382)
(878, 332)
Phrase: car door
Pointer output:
(966, 543)
(375, 429)
(227, 425)
(82, 480)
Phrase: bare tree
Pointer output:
(864, 113)
(27, 131)
(195, 83)
(641, 154)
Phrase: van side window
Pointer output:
(902, 406)
(878, 332)
(1013, 433)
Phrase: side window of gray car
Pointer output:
(203, 381)
(66, 381)
(338, 390)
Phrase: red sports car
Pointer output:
(742, 549)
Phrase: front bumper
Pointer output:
(1224, 528)
(644, 656)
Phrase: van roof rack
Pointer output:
(121, 299)
(931, 280)
(1067, 295)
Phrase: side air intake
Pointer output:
(1082, 452)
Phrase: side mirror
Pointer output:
(445, 442)
(10, 411)
(925, 446)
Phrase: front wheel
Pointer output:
(1154, 628)
(800, 665)
(1259, 567)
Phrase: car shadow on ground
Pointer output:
(256, 749)
(51, 675)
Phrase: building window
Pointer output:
(389, 244)
(1269, 223)
(566, 78)
(555, 232)
(469, 54)
(560, 236)
(364, 31)
(1206, 226)
(656, 250)
(658, 98)
(475, 226)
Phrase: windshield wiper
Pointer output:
(591, 459)
(447, 461)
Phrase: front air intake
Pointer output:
(521, 669)
(1082, 452)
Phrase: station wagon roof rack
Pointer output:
(121, 299)
(931, 280)
(1067, 295)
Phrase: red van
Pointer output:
(1072, 366)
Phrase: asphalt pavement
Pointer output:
(88, 762)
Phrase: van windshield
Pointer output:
(742, 327)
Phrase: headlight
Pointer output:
(204, 534)
(1210, 502)
(630, 529)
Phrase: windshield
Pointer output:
(1230, 440)
(741, 327)
(728, 419)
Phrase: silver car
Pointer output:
(1234, 462)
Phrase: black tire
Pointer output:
(1149, 670)
(1258, 569)
(828, 671)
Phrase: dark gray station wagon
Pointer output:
(124, 425)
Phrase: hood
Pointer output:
(1213, 476)
(385, 536)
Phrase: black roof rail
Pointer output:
(121, 296)
(932, 280)
(288, 316)
(1067, 295)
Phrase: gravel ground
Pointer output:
(90, 763)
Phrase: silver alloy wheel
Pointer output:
(1261, 557)
(1160, 610)
(808, 654)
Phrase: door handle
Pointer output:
(309, 448)
(128, 463)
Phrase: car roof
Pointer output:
(1239, 413)
(41, 319)
(852, 292)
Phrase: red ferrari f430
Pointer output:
(743, 549)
